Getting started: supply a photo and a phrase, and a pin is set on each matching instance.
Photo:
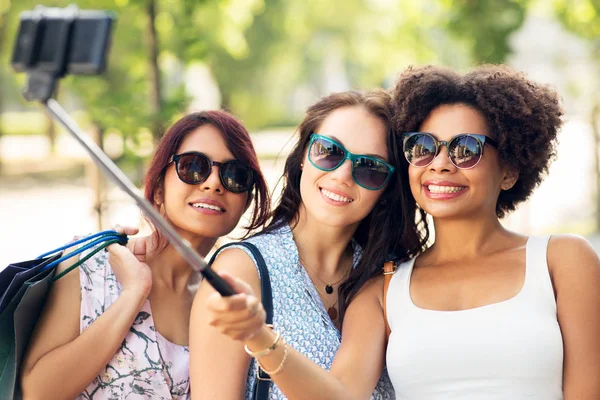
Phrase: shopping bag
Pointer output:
(26, 285)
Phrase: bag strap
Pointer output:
(82, 240)
(90, 241)
(87, 257)
(262, 383)
(388, 271)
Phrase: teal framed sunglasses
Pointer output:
(369, 172)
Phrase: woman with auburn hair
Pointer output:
(119, 328)
(344, 208)
(484, 313)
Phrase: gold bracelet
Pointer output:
(281, 365)
(266, 351)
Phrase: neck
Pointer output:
(169, 268)
(325, 249)
(459, 239)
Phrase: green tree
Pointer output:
(582, 17)
(484, 26)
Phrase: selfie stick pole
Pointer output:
(41, 84)
(121, 180)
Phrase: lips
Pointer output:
(443, 189)
(336, 195)
(208, 204)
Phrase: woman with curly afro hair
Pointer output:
(483, 313)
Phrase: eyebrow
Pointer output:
(361, 154)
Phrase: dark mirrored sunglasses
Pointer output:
(327, 155)
(195, 167)
(464, 150)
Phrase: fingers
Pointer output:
(239, 316)
(128, 230)
(117, 252)
(138, 247)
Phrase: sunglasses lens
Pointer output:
(419, 150)
(236, 177)
(193, 168)
(465, 151)
(370, 173)
(325, 154)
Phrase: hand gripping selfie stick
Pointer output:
(35, 31)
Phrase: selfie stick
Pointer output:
(40, 86)
(121, 180)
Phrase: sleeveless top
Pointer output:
(298, 312)
(146, 366)
(511, 350)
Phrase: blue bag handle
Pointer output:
(103, 238)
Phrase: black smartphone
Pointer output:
(61, 41)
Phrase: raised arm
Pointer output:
(218, 364)
(575, 269)
(357, 365)
(60, 362)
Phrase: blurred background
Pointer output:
(266, 61)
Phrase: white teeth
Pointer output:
(336, 197)
(209, 206)
(445, 189)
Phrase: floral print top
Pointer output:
(298, 311)
(146, 366)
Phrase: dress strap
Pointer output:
(537, 265)
(388, 271)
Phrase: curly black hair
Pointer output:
(523, 117)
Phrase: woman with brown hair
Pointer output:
(119, 328)
(484, 313)
(343, 210)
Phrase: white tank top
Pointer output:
(511, 350)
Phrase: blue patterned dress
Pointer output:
(298, 311)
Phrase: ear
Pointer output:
(159, 197)
(511, 176)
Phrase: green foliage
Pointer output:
(271, 58)
(484, 26)
(580, 16)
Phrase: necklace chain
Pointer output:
(328, 286)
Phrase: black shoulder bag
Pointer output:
(262, 383)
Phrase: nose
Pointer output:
(343, 173)
(442, 162)
(213, 182)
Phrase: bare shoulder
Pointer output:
(233, 259)
(238, 263)
(572, 260)
(372, 290)
(567, 251)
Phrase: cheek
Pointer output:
(414, 180)
(238, 204)
(371, 197)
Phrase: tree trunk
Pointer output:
(96, 177)
(154, 70)
(50, 130)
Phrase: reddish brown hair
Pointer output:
(238, 142)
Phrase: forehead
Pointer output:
(448, 120)
(206, 139)
(357, 129)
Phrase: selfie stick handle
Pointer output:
(121, 180)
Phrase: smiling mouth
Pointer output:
(438, 189)
(207, 206)
(335, 196)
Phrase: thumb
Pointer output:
(238, 285)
